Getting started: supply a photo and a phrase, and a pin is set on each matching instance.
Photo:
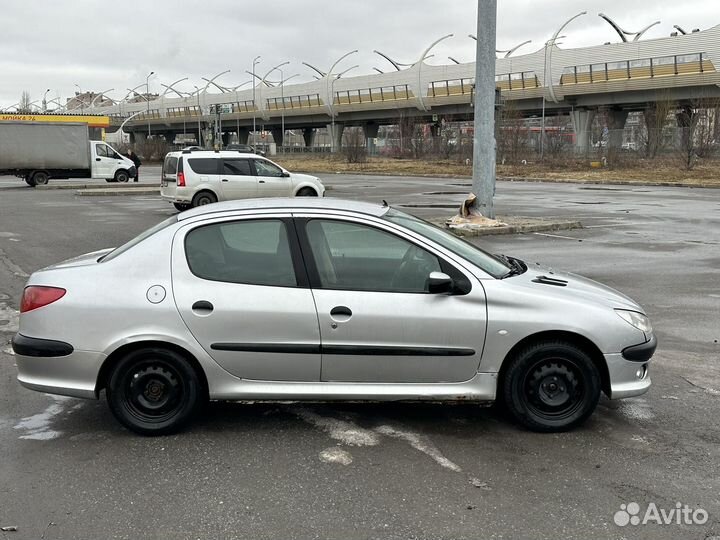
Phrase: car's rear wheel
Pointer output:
(551, 386)
(203, 198)
(153, 391)
(182, 206)
(307, 192)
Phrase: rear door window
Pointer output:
(237, 167)
(170, 165)
(204, 165)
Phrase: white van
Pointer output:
(196, 177)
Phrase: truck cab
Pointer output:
(108, 163)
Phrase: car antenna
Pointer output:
(385, 204)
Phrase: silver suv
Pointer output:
(196, 177)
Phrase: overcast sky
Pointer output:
(99, 45)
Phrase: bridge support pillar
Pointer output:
(243, 134)
(138, 137)
(225, 139)
(371, 132)
(336, 135)
(616, 121)
(309, 136)
(582, 123)
(278, 136)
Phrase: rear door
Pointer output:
(241, 288)
(168, 180)
(203, 172)
(272, 180)
(237, 179)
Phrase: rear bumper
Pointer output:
(74, 374)
(177, 197)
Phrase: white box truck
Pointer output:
(39, 151)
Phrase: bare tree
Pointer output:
(353, 147)
(25, 105)
(655, 122)
(511, 134)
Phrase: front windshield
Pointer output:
(489, 263)
(142, 236)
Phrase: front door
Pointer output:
(237, 180)
(272, 180)
(378, 322)
(104, 162)
(240, 288)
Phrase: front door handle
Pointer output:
(261, 181)
(224, 179)
(202, 307)
(340, 313)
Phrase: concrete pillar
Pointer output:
(371, 132)
(336, 137)
(309, 136)
(138, 137)
(226, 139)
(243, 135)
(278, 135)
(616, 121)
(582, 123)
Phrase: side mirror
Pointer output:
(285, 174)
(439, 283)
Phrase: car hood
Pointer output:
(80, 260)
(568, 284)
(305, 177)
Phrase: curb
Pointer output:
(117, 192)
(96, 186)
(514, 229)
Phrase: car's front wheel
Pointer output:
(551, 386)
(307, 192)
(154, 391)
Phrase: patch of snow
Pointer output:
(336, 455)
(340, 430)
(420, 443)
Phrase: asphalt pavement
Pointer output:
(292, 470)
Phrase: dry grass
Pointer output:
(632, 171)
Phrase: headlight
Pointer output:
(638, 320)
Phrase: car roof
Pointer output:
(295, 204)
(213, 153)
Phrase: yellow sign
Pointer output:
(91, 121)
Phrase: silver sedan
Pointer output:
(322, 299)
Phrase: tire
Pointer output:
(110, 180)
(551, 386)
(182, 206)
(154, 391)
(40, 178)
(306, 192)
(203, 198)
(121, 176)
(29, 181)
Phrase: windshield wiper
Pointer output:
(517, 267)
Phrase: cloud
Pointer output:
(101, 45)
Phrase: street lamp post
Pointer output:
(147, 95)
(79, 98)
(549, 43)
(44, 101)
(197, 91)
(332, 109)
(256, 61)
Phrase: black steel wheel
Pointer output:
(154, 391)
(122, 176)
(203, 198)
(307, 192)
(551, 386)
(40, 178)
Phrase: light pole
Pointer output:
(147, 95)
(551, 89)
(197, 91)
(256, 61)
(79, 98)
(549, 43)
(44, 101)
(483, 180)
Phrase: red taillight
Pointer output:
(181, 179)
(36, 297)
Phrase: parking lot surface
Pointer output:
(293, 470)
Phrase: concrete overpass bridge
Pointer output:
(620, 78)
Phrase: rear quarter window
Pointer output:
(170, 165)
(204, 165)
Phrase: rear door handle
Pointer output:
(224, 179)
(261, 181)
(203, 306)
